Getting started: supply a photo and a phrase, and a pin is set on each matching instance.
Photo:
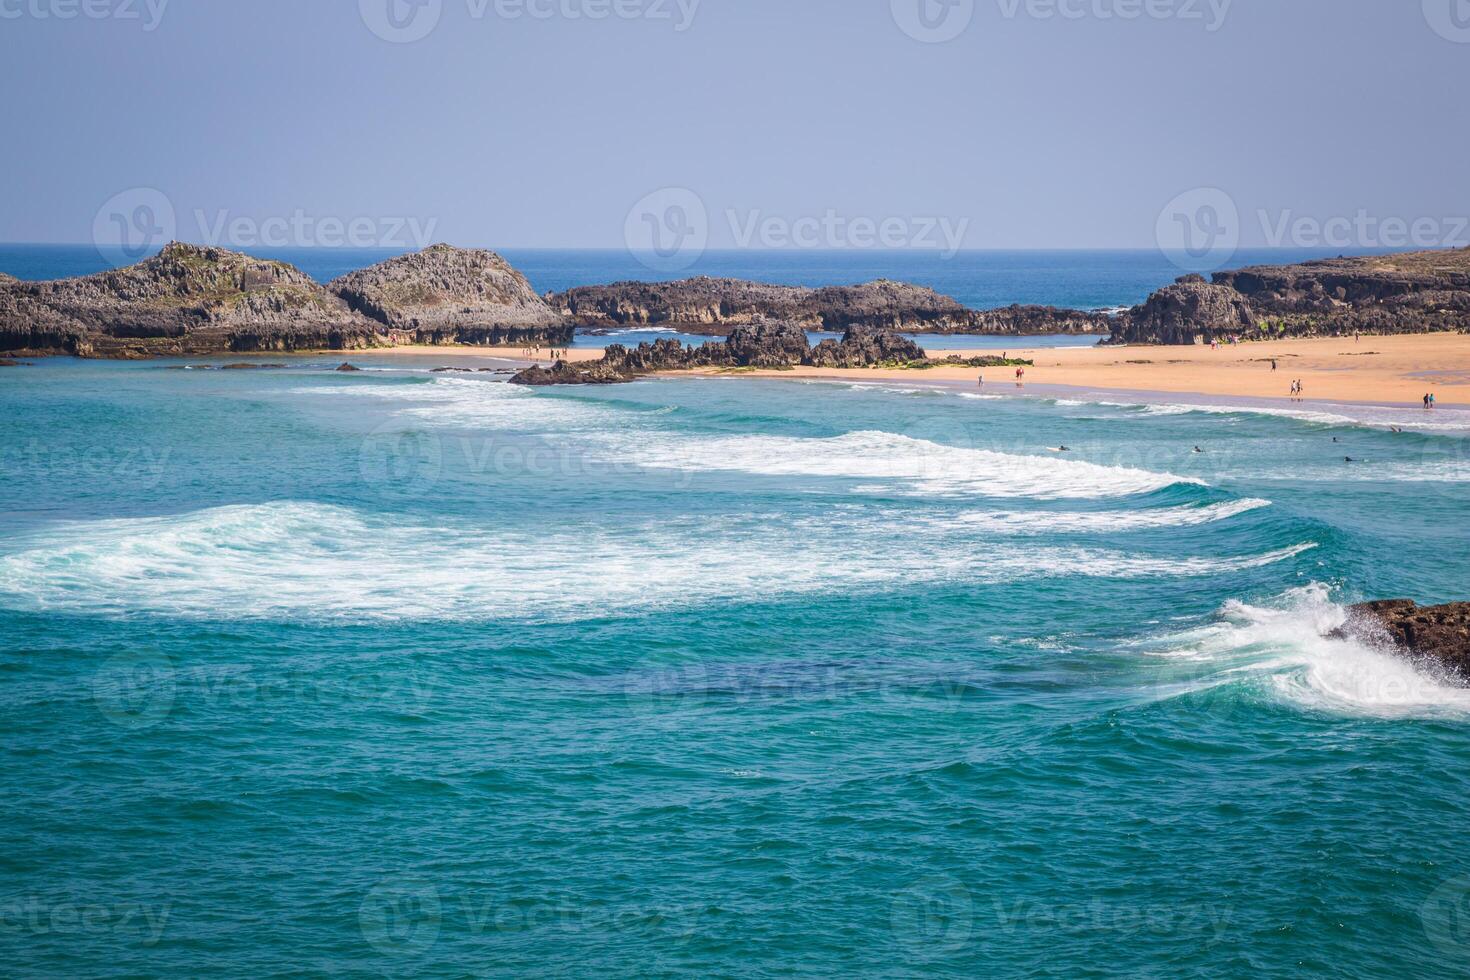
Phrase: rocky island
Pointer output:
(447, 295)
(760, 345)
(191, 300)
(714, 306)
(1408, 292)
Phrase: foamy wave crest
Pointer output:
(1286, 650)
(1449, 421)
(468, 402)
(1054, 522)
(311, 562)
(917, 465)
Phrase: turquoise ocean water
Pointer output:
(402, 673)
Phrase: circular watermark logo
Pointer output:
(1446, 917)
(133, 224)
(1449, 18)
(668, 230)
(135, 690)
(933, 917)
(933, 21)
(398, 461)
(400, 918)
(401, 21)
(1199, 230)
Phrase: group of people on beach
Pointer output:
(1429, 400)
(1296, 390)
(533, 353)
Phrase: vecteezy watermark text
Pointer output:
(300, 229)
(834, 230)
(34, 915)
(937, 21)
(1363, 230)
(406, 21)
(1209, 13)
(670, 229)
(1201, 230)
(149, 13)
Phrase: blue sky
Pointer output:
(539, 123)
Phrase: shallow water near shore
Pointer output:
(407, 673)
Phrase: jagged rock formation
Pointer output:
(707, 305)
(758, 345)
(447, 295)
(1410, 292)
(864, 348)
(187, 299)
(1178, 313)
(191, 299)
(1437, 634)
(1032, 320)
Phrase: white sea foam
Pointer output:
(918, 465)
(470, 402)
(297, 561)
(615, 435)
(1061, 522)
(1284, 649)
(1449, 421)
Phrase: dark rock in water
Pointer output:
(448, 295)
(1438, 634)
(563, 373)
(7, 362)
(763, 344)
(347, 367)
(247, 366)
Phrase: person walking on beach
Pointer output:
(1426, 401)
(1431, 399)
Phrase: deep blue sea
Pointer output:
(399, 673)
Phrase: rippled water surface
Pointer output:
(408, 673)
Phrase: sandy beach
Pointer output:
(1398, 369)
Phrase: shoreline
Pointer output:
(1379, 371)
(1384, 371)
(1387, 371)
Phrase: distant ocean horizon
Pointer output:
(1085, 279)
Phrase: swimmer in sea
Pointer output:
(1198, 449)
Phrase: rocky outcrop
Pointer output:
(447, 295)
(1410, 292)
(864, 348)
(1033, 320)
(187, 299)
(757, 345)
(706, 305)
(192, 300)
(1439, 635)
(1191, 311)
